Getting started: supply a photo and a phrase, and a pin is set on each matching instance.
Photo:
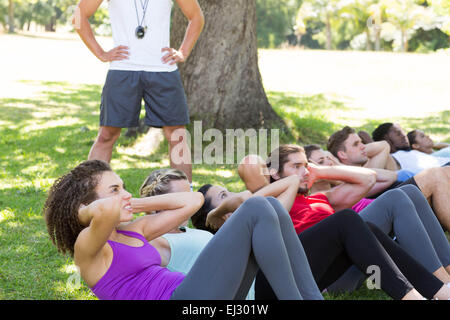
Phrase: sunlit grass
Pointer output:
(48, 127)
(39, 146)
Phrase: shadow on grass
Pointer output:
(51, 132)
(308, 117)
(30, 266)
(35, 149)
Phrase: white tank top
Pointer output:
(144, 54)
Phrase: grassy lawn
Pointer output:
(49, 126)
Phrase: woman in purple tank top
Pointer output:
(90, 215)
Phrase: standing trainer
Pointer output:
(142, 66)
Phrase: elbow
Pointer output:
(200, 20)
(197, 20)
(198, 200)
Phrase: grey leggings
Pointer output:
(405, 213)
(255, 236)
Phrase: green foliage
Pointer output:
(275, 21)
(49, 13)
(49, 131)
(399, 25)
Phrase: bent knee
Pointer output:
(108, 135)
(410, 189)
(258, 207)
(397, 199)
(347, 216)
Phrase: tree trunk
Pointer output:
(368, 45)
(378, 39)
(404, 40)
(11, 16)
(328, 33)
(50, 26)
(221, 76)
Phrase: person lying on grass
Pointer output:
(182, 248)
(400, 149)
(433, 182)
(331, 246)
(90, 215)
(403, 212)
(420, 141)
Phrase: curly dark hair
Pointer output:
(381, 131)
(199, 218)
(64, 199)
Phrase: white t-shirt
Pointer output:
(416, 161)
(144, 54)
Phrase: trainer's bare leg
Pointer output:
(435, 186)
(179, 152)
(103, 145)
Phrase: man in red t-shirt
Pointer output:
(308, 210)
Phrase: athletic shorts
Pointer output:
(163, 94)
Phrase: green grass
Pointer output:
(44, 136)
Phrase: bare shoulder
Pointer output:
(92, 268)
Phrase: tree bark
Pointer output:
(221, 77)
(328, 32)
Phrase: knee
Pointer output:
(256, 202)
(279, 208)
(175, 134)
(108, 135)
(259, 207)
(348, 217)
(411, 190)
(397, 201)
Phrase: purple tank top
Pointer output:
(135, 273)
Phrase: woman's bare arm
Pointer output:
(173, 209)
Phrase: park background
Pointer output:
(322, 64)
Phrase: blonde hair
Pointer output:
(158, 182)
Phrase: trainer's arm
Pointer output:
(80, 20)
(192, 11)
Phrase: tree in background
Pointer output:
(47, 13)
(221, 77)
(325, 11)
(11, 16)
(399, 25)
(403, 18)
(275, 21)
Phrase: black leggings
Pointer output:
(344, 239)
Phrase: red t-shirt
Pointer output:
(307, 211)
